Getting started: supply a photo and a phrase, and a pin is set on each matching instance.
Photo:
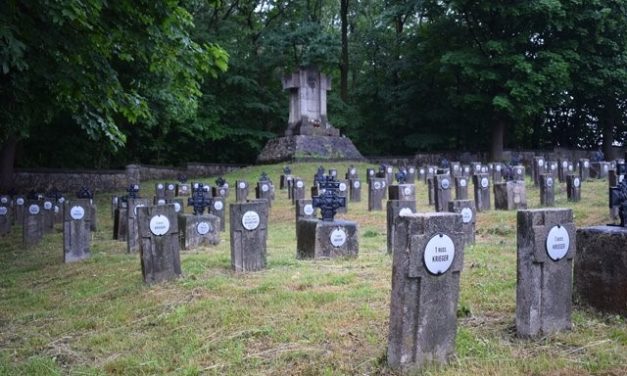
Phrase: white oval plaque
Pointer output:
(19, 201)
(3, 210)
(308, 209)
(422, 171)
(184, 188)
(586, 164)
(218, 205)
(159, 186)
(540, 162)
(160, 201)
(519, 171)
(576, 182)
(407, 191)
(411, 170)
(137, 207)
(241, 185)
(549, 182)
(431, 170)
(356, 184)
(439, 254)
(371, 172)
(222, 192)
(33, 209)
(338, 237)
(498, 167)
(171, 187)
(177, 206)
(4, 200)
(47, 205)
(484, 182)
(564, 164)
(390, 170)
(203, 228)
(445, 184)
(264, 188)
(77, 212)
(61, 200)
(250, 220)
(405, 211)
(605, 167)
(159, 224)
(466, 169)
(300, 184)
(484, 169)
(557, 243)
(377, 185)
(466, 215)
(553, 167)
(463, 182)
(342, 187)
(352, 171)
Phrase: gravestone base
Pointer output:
(198, 230)
(600, 270)
(326, 239)
(301, 148)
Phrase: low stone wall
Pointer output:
(69, 181)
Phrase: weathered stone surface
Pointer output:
(600, 270)
(469, 217)
(309, 148)
(218, 208)
(442, 189)
(547, 190)
(394, 208)
(343, 192)
(546, 247)
(33, 227)
(48, 212)
(519, 173)
(183, 189)
(114, 205)
(410, 176)
(132, 228)
(159, 243)
(220, 192)
(248, 230)
(423, 307)
(599, 170)
(298, 189)
(584, 169)
(510, 195)
(573, 187)
(120, 222)
(481, 188)
(18, 210)
(326, 239)
(538, 168)
(6, 217)
(431, 189)
(497, 172)
(376, 192)
(264, 191)
(283, 181)
(355, 190)
(76, 232)
(241, 191)
(305, 209)
(402, 192)
(160, 190)
(198, 230)
(461, 188)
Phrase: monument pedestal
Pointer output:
(302, 148)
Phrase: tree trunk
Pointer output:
(7, 161)
(498, 133)
(344, 57)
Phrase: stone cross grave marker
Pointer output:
(461, 188)
(355, 190)
(159, 243)
(327, 238)
(5, 215)
(547, 190)
(33, 227)
(48, 213)
(18, 208)
(538, 168)
(241, 190)
(87, 194)
(573, 187)
(221, 188)
(402, 200)
(376, 192)
(249, 231)
(217, 208)
(427, 262)
(285, 178)
(584, 169)
(510, 195)
(481, 185)
(182, 188)
(468, 212)
(132, 227)
(160, 191)
(76, 230)
(298, 189)
(546, 246)
(264, 189)
(442, 192)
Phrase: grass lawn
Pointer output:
(296, 317)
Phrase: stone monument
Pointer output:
(309, 135)
(159, 243)
(249, 232)
(76, 233)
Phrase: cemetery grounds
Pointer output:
(297, 317)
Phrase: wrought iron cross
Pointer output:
(287, 170)
(133, 191)
(198, 200)
(328, 200)
(85, 192)
(401, 176)
(220, 182)
(182, 179)
(319, 177)
(54, 194)
(264, 176)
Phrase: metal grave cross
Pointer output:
(328, 200)
(198, 200)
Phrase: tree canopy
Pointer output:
(432, 75)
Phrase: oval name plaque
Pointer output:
(540, 162)
(177, 206)
(159, 186)
(564, 164)
(33, 209)
(445, 184)
(47, 205)
(338, 237)
(557, 243)
(264, 188)
(485, 182)
(160, 201)
(497, 167)
(586, 164)
(308, 209)
(250, 220)
(405, 211)
(300, 184)
(356, 184)
(19, 201)
(77, 212)
(203, 228)
(159, 225)
(576, 182)
(463, 182)
(342, 187)
(3, 210)
(4, 200)
(411, 170)
(377, 185)
(218, 205)
(549, 182)
(466, 215)
(222, 192)
(171, 187)
(407, 191)
(241, 185)
(439, 254)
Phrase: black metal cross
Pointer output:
(401, 176)
(198, 200)
(328, 200)
(264, 176)
(319, 176)
(618, 197)
(133, 190)
(85, 192)
(220, 182)
(287, 170)
(182, 179)
(54, 194)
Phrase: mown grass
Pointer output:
(296, 317)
